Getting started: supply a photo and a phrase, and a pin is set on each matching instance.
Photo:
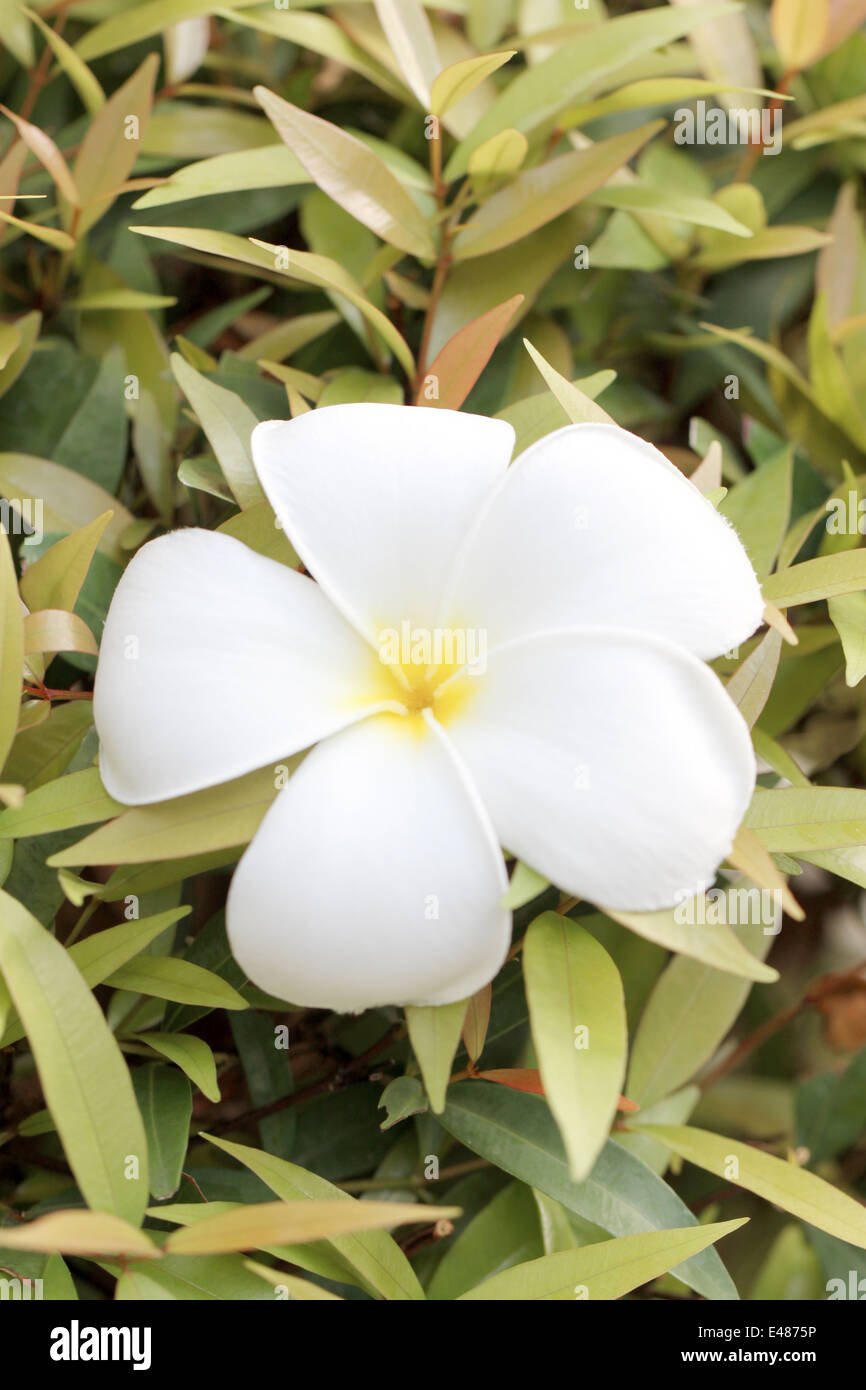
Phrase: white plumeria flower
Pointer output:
(591, 740)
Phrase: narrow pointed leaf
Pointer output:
(434, 1033)
(786, 1185)
(605, 1270)
(577, 1011)
(84, 1078)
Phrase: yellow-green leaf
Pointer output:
(786, 1185)
(824, 577)
(459, 79)
(434, 1032)
(191, 1054)
(578, 407)
(84, 1079)
(375, 1256)
(76, 69)
(216, 818)
(577, 1011)
(540, 194)
(602, 1271)
(79, 798)
(181, 981)
(228, 423)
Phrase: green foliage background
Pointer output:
(417, 209)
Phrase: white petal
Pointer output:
(613, 763)
(375, 877)
(377, 498)
(215, 661)
(592, 525)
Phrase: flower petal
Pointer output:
(377, 498)
(375, 877)
(215, 661)
(592, 525)
(612, 762)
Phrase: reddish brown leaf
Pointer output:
(464, 357)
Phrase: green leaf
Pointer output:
(191, 1054)
(76, 70)
(166, 977)
(350, 173)
(759, 509)
(784, 1184)
(56, 578)
(848, 616)
(84, 1079)
(11, 650)
(51, 236)
(459, 79)
(142, 22)
(687, 1016)
(517, 1132)
(103, 952)
(228, 423)
(504, 1233)
(577, 66)
(789, 820)
(824, 577)
(216, 818)
(374, 1255)
(539, 195)
(27, 330)
(606, 1270)
(79, 798)
(305, 266)
(239, 171)
(499, 157)
(402, 1097)
(434, 1033)
(577, 1010)
(668, 202)
(42, 752)
(165, 1101)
